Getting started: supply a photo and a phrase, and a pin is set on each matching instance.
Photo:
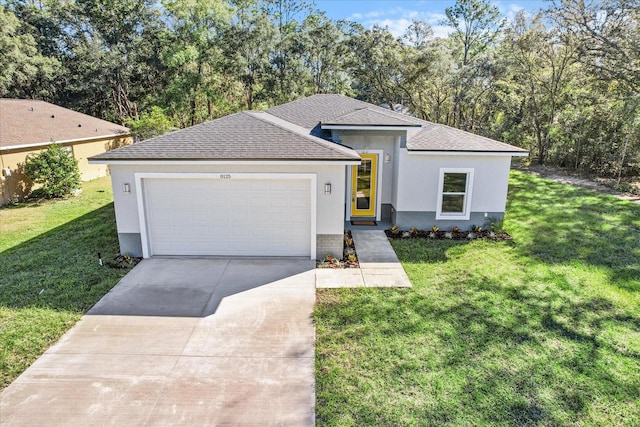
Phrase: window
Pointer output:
(454, 193)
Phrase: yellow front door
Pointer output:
(364, 186)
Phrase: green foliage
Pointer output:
(24, 71)
(55, 169)
(496, 225)
(539, 331)
(150, 124)
(50, 274)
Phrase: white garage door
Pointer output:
(244, 217)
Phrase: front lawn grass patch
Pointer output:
(541, 330)
(49, 272)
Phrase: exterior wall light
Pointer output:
(6, 172)
(327, 188)
(126, 188)
(387, 158)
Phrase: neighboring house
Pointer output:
(284, 181)
(28, 126)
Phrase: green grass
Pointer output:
(544, 330)
(49, 272)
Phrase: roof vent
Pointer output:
(31, 108)
(53, 116)
(79, 125)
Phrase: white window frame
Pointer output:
(466, 214)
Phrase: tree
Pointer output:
(248, 44)
(608, 36)
(539, 72)
(607, 33)
(421, 65)
(121, 31)
(55, 169)
(288, 75)
(374, 64)
(150, 124)
(476, 25)
(324, 54)
(24, 71)
(193, 56)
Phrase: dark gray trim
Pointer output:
(329, 244)
(426, 220)
(385, 212)
(130, 243)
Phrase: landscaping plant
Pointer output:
(55, 169)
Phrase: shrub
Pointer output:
(55, 169)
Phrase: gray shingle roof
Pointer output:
(435, 137)
(288, 132)
(28, 121)
(370, 117)
(322, 108)
(241, 136)
(338, 109)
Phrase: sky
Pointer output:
(397, 14)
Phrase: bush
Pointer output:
(55, 169)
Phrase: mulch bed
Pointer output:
(349, 257)
(121, 261)
(447, 235)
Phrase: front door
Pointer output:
(364, 186)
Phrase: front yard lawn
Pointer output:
(544, 330)
(49, 272)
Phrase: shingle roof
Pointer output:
(246, 135)
(27, 121)
(322, 108)
(445, 138)
(370, 117)
(338, 109)
(290, 132)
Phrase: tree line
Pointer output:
(562, 83)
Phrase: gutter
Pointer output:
(93, 161)
(467, 153)
(65, 141)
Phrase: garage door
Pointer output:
(243, 217)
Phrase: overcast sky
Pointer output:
(397, 15)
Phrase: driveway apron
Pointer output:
(182, 341)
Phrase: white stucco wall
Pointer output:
(418, 176)
(329, 208)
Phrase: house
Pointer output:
(28, 126)
(283, 182)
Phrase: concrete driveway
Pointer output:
(182, 342)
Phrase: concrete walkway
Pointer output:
(379, 265)
(197, 342)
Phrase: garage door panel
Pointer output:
(264, 217)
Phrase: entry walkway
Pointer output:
(379, 265)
